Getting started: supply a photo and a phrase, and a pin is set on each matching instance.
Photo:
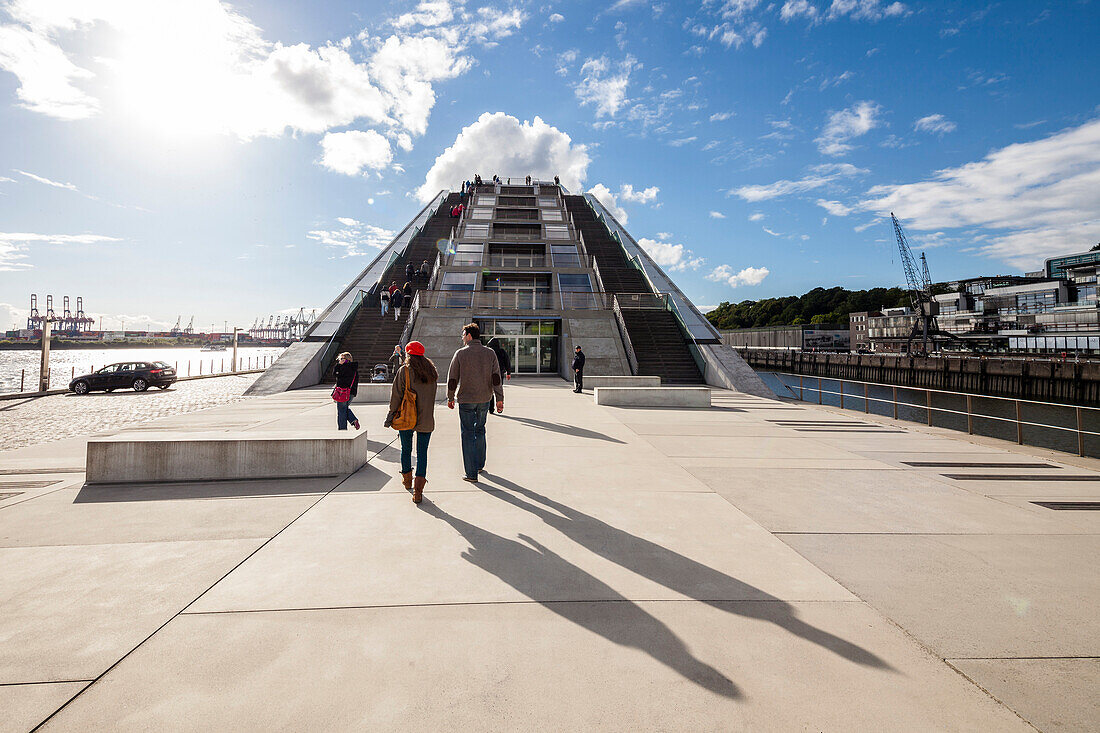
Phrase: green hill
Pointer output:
(820, 305)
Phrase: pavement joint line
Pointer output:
(1010, 659)
(30, 498)
(41, 682)
(518, 602)
(991, 696)
(949, 534)
(176, 615)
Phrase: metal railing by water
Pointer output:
(928, 410)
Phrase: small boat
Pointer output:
(213, 347)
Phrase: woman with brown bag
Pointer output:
(412, 410)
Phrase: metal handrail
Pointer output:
(328, 352)
(631, 357)
(693, 348)
(929, 408)
(406, 333)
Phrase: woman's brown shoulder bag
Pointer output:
(405, 419)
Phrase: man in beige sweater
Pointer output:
(474, 380)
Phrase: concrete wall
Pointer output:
(440, 331)
(598, 336)
(298, 366)
(726, 369)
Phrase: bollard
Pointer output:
(200, 367)
(73, 375)
(22, 376)
(221, 369)
(189, 367)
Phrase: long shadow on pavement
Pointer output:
(675, 571)
(526, 567)
(562, 428)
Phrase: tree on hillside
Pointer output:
(820, 305)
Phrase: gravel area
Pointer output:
(44, 419)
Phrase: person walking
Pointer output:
(408, 291)
(425, 271)
(410, 271)
(397, 358)
(384, 298)
(397, 299)
(420, 375)
(473, 379)
(347, 385)
(503, 360)
(578, 370)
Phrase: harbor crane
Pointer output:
(919, 283)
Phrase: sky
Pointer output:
(234, 160)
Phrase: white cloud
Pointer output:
(14, 245)
(834, 207)
(842, 126)
(12, 317)
(799, 9)
(717, 215)
(47, 181)
(353, 237)
(672, 257)
(682, 141)
(603, 84)
(645, 196)
(1044, 196)
(430, 13)
(866, 9)
(769, 231)
(936, 124)
(202, 67)
(501, 144)
(556, 18)
(746, 276)
(354, 151)
(756, 217)
(819, 176)
(721, 116)
(610, 202)
(406, 67)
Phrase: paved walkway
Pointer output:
(754, 566)
(45, 419)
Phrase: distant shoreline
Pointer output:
(64, 345)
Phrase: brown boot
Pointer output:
(407, 480)
(418, 489)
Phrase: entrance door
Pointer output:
(527, 355)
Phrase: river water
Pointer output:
(23, 364)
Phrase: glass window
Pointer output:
(565, 255)
(482, 212)
(557, 231)
(480, 231)
(545, 201)
(486, 200)
(458, 280)
(551, 214)
(574, 283)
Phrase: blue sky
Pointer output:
(232, 160)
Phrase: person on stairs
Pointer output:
(421, 375)
(384, 298)
(397, 299)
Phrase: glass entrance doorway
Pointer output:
(532, 346)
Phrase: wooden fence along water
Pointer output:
(1065, 382)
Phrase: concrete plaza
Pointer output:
(755, 565)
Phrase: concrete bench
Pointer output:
(653, 396)
(374, 392)
(626, 381)
(210, 455)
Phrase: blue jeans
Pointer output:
(421, 451)
(471, 418)
(344, 415)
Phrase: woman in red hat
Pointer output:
(421, 375)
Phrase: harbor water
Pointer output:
(22, 365)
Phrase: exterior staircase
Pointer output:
(654, 333)
(372, 336)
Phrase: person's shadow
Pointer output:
(562, 428)
(533, 569)
(675, 571)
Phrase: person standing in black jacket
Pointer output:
(347, 377)
(503, 360)
(578, 370)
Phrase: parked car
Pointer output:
(139, 375)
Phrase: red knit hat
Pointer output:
(415, 348)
